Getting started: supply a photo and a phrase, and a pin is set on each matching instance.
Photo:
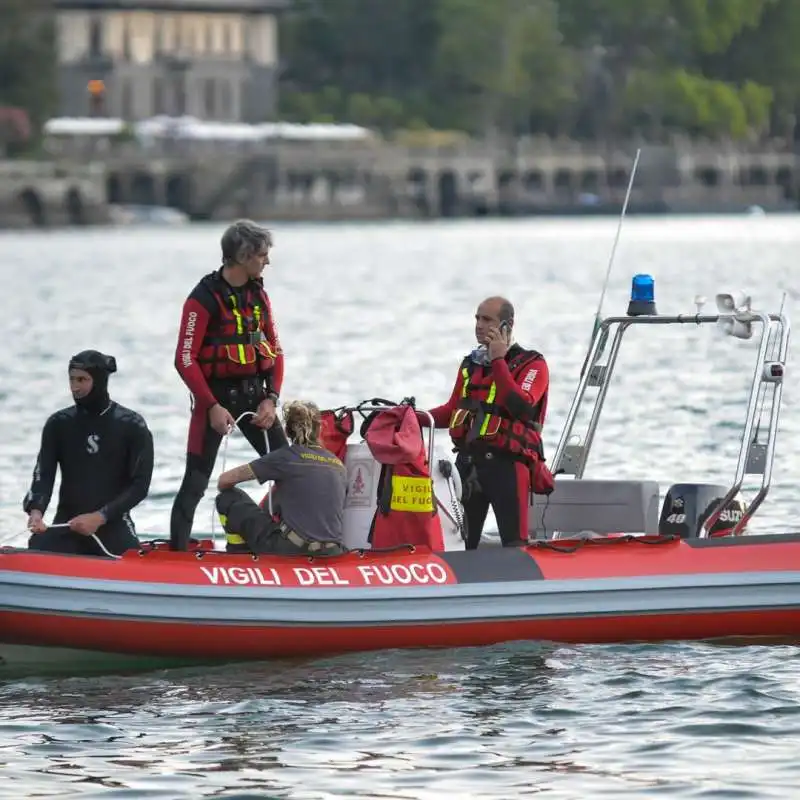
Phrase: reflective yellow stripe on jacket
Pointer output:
(230, 538)
(239, 329)
(460, 413)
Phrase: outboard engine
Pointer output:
(688, 505)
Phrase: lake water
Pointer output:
(387, 310)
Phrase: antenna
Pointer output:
(599, 315)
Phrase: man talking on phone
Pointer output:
(495, 416)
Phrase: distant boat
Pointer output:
(146, 215)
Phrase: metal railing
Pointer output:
(755, 458)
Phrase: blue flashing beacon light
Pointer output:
(643, 297)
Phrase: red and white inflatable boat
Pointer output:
(608, 561)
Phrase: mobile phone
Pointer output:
(505, 328)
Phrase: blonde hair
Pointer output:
(302, 421)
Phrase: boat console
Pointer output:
(614, 506)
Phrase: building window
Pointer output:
(158, 96)
(225, 99)
(158, 36)
(126, 40)
(127, 100)
(211, 98)
(209, 31)
(246, 39)
(180, 97)
(95, 37)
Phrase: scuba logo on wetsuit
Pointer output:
(92, 444)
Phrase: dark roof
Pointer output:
(264, 6)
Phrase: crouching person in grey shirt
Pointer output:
(309, 494)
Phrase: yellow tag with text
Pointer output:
(411, 494)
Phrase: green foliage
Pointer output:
(127, 134)
(27, 58)
(584, 68)
(711, 25)
(685, 101)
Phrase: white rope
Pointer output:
(64, 525)
(225, 461)
(103, 547)
(27, 532)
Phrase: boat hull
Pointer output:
(207, 641)
(216, 606)
(20, 660)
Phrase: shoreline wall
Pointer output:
(291, 180)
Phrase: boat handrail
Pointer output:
(735, 318)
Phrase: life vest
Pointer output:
(235, 344)
(479, 419)
(336, 427)
(406, 512)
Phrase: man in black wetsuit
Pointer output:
(105, 452)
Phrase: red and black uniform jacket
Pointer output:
(227, 333)
(501, 406)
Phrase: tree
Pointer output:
(595, 69)
(15, 130)
(653, 51)
(506, 56)
(361, 47)
(28, 58)
(767, 55)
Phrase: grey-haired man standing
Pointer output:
(229, 356)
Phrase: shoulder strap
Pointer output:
(518, 359)
(385, 489)
(261, 293)
(256, 294)
(215, 286)
(344, 421)
(212, 281)
(368, 417)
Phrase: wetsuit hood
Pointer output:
(99, 366)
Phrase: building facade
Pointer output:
(135, 59)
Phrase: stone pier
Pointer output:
(45, 193)
(340, 181)
(375, 179)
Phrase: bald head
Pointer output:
(490, 314)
